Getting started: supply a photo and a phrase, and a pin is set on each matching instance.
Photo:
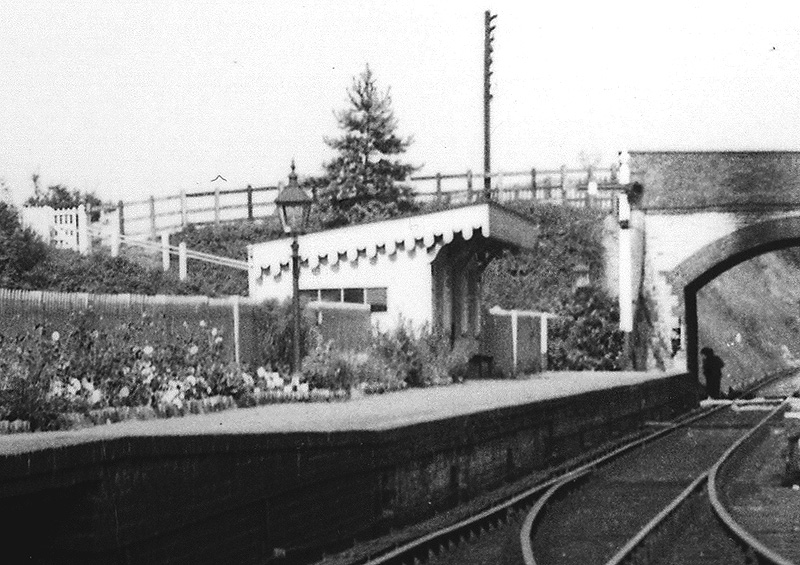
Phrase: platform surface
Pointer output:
(372, 412)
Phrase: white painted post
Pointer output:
(165, 251)
(543, 342)
(83, 230)
(236, 350)
(625, 266)
(182, 260)
(591, 188)
(514, 339)
(624, 173)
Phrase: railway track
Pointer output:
(691, 526)
(658, 485)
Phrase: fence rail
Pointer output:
(568, 186)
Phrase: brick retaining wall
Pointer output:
(236, 498)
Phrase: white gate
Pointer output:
(66, 228)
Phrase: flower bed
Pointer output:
(73, 375)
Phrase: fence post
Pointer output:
(152, 217)
(182, 260)
(165, 250)
(83, 230)
(184, 210)
(469, 185)
(216, 205)
(249, 202)
(236, 350)
(438, 187)
(115, 240)
(591, 189)
(533, 184)
(121, 212)
(564, 183)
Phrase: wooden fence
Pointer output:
(237, 317)
(21, 310)
(571, 187)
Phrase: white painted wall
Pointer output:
(407, 277)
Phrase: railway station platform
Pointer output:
(371, 412)
(296, 480)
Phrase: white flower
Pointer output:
(191, 380)
(202, 323)
(274, 380)
(248, 380)
(57, 387)
(74, 386)
(55, 336)
(193, 350)
(261, 372)
(87, 385)
(218, 339)
(95, 397)
(302, 388)
(124, 392)
(214, 332)
(170, 395)
(148, 350)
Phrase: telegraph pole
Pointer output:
(488, 17)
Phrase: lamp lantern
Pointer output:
(294, 206)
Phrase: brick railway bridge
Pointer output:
(698, 215)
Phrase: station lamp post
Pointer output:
(293, 206)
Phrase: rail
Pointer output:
(167, 250)
(637, 549)
(421, 548)
(756, 550)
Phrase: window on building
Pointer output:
(309, 294)
(330, 295)
(354, 295)
(376, 298)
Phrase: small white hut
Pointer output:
(423, 269)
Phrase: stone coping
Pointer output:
(368, 413)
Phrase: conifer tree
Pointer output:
(364, 181)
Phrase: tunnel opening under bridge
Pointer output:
(691, 275)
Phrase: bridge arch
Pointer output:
(710, 261)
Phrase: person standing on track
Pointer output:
(712, 371)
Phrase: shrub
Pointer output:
(587, 337)
(422, 359)
(274, 325)
(20, 248)
(327, 367)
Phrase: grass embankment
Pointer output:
(749, 316)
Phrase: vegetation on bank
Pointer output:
(585, 336)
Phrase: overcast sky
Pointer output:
(132, 98)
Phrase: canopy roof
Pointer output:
(385, 237)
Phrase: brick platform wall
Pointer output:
(247, 498)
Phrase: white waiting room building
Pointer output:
(423, 269)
